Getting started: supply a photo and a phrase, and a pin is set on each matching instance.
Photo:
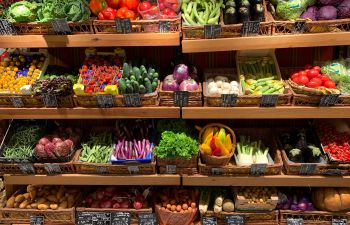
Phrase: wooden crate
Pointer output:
(313, 217)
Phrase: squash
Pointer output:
(332, 199)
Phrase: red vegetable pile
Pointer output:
(312, 78)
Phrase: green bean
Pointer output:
(97, 149)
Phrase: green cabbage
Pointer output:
(22, 11)
(292, 9)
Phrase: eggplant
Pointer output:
(259, 12)
(245, 3)
(244, 14)
(295, 155)
(271, 9)
(230, 4)
(230, 16)
(313, 154)
(301, 140)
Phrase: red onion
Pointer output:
(170, 85)
(181, 73)
(189, 85)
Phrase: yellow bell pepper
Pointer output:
(111, 89)
(78, 89)
(224, 150)
(208, 138)
(228, 142)
(206, 149)
(222, 135)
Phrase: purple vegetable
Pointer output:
(327, 13)
(330, 2)
(302, 206)
(294, 207)
(310, 207)
(170, 85)
(180, 73)
(344, 9)
(189, 85)
(310, 13)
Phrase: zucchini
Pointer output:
(137, 72)
(142, 89)
(122, 86)
(129, 89)
(135, 86)
(126, 70)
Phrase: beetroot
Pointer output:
(69, 143)
(56, 140)
(61, 149)
(44, 141)
(106, 204)
(49, 149)
(116, 205)
(40, 151)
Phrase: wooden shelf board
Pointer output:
(294, 112)
(272, 181)
(266, 42)
(80, 179)
(88, 40)
(89, 113)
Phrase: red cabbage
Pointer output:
(189, 85)
(327, 13)
(310, 13)
(170, 85)
(181, 73)
(344, 9)
(330, 2)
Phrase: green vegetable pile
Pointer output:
(176, 126)
(201, 12)
(292, 9)
(98, 149)
(339, 72)
(176, 145)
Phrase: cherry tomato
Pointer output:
(167, 11)
(175, 7)
(143, 6)
(303, 80)
(317, 68)
(317, 80)
(303, 73)
(324, 77)
(312, 84)
(130, 14)
(329, 84)
(154, 10)
(312, 74)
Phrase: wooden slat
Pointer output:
(89, 113)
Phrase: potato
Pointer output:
(60, 193)
(53, 206)
(24, 204)
(19, 198)
(29, 207)
(52, 198)
(34, 205)
(10, 202)
(26, 195)
(30, 188)
(70, 200)
(62, 199)
(16, 205)
(73, 190)
(43, 206)
(40, 200)
(63, 205)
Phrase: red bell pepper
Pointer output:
(107, 14)
(97, 6)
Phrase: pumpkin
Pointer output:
(331, 199)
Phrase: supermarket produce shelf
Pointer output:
(271, 181)
(89, 113)
(88, 40)
(266, 42)
(80, 179)
(265, 113)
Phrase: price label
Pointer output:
(295, 221)
(170, 169)
(36, 220)
(7, 28)
(105, 101)
(101, 169)
(216, 171)
(234, 220)
(333, 172)
(209, 220)
(299, 26)
(258, 169)
(147, 219)
(17, 102)
(60, 26)
(212, 31)
(268, 100)
(52, 169)
(228, 100)
(133, 169)
(328, 100)
(307, 169)
(123, 25)
(164, 26)
(132, 100)
(181, 98)
(92, 218)
(27, 168)
(250, 28)
(49, 100)
(339, 222)
(121, 218)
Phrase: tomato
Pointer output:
(172, 14)
(296, 80)
(307, 66)
(324, 78)
(294, 75)
(303, 73)
(329, 84)
(167, 11)
(132, 4)
(154, 10)
(113, 3)
(175, 7)
(312, 84)
(303, 80)
(312, 74)
(130, 14)
(121, 12)
(317, 80)
(161, 5)
(143, 6)
(317, 68)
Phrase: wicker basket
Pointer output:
(178, 162)
(178, 170)
(313, 217)
(167, 97)
(166, 217)
(217, 160)
(242, 204)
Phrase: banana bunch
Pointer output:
(216, 142)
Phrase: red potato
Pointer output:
(116, 205)
(95, 204)
(40, 151)
(49, 149)
(106, 204)
(56, 140)
(69, 143)
(61, 149)
(44, 141)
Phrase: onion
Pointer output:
(170, 85)
(181, 73)
(189, 85)
(302, 206)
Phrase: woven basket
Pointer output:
(179, 162)
(242, 204)
(167, 97)
(217, 160)
(313, 217)
(181, 171)
(166, 217)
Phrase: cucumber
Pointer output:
(146, 80)
(148, 86)
(122, 86)
(155, 80)
(135, 86)
(128, 82)
(155, 75)
(150, 76)
(126, 70)
(132, 78)
(142, 89)
(137, 72)
(204, 201)
(154, 86)
(129, 89)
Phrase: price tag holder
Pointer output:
(339, 222)
(132, 100)
(121, 218)
(333, 172)
(92, 218)
(228, 100)
(105, 101)
(147, 219)
(209, 220)
(212, 31)
(170, 169)
(268, 100)
(299, 26)
(60, 26)
(101, 169)
(216, 171)
(7, 28)
(250, 28)
(328, 100)
(164, 26)
(49, 100)
(295, 221)
(181, 98)
(133, 169)
(258, 169)
(27, 168)
(17, 102)
(52, 169)
(234, 220)
(36, 220)
(123, 25)
(307, 169)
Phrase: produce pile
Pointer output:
(295, 199)
(256, 195)
(195, 12)
(98, 148)
(338, 71)
(216, 142)
(242, 11)
(215, 199)
(180, 80)
(251, 152)
(177, 199)
(222, 85)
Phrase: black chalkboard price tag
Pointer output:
(132, 100)
(60, 26)
(52, 169)
(268, 100)
(17, 102)
(27, 168)
(123, 25)
(258, 169)
(328, 100)
(209, 220)
(93, 218)
(36, 220)
(121, 218)
(234, 220)
(339, 222)
(250, 28)
(147, 219)
(307, 169)
(105, 101)
(7, 28)
(216, 171)
(333, 172)
(133, 169)
(299, 26)
(101, 169)
(49, 100)
(295, 221)
(228, 100)
(170, 169)
(212, 31)
(181, 98)
(164, 26)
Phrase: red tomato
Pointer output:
(303, 80)
(294, 75)
(113, 3)
(121, 12)
(302, 73)
(143, 6)
(329, 84)
(317, 80)
(312, 74)
(130, 14)
(317, 68)
(172, 14)
(166, 11)
(324, 78)
(296, 80)
(132, 4)
(307, 66)
(175, 7)
(154, 10)
(161, 5)
(312, 84)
